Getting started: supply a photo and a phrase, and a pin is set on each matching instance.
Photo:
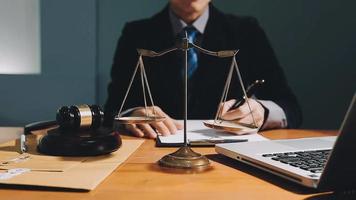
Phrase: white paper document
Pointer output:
(196, 130)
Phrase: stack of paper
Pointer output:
(197, 131)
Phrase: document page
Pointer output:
(196, 130)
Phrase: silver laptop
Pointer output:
(325, 163)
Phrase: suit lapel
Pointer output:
(212, 71)
(163, 38)
(215, 39)
(166, 69)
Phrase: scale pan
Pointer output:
(230, 126)
(139, 120)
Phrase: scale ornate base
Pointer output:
(184, 158)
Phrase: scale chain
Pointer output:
(244, 91)
(130, 84)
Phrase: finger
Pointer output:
(245, 120)
(237, 113)
(134, 130)
(170, 125)
(161, 128)
(249, 120)
(227, 105)
(178, 124)
(139, 111)
(166, 127)
(148, 130)
(241, 111)
(155, 110)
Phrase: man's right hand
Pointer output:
(167, 127)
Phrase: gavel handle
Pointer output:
(38, 126)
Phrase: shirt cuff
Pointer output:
(276, 116)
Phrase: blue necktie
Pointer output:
(192, 53)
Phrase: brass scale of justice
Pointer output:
(185, 157)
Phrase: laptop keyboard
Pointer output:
(313, 161)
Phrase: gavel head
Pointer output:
(79, 117)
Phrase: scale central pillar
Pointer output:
(185, 157)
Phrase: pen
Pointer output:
(212, 142)
(249, 92)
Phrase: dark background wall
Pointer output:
(314, 41)
(68, 35)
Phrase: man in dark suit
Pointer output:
(274, 105)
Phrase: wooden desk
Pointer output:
(140, 178)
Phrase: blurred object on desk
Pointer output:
(10, 133)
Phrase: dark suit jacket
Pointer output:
(256, 60)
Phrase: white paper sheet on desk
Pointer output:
(197, 131)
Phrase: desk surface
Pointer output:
(140, 178)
